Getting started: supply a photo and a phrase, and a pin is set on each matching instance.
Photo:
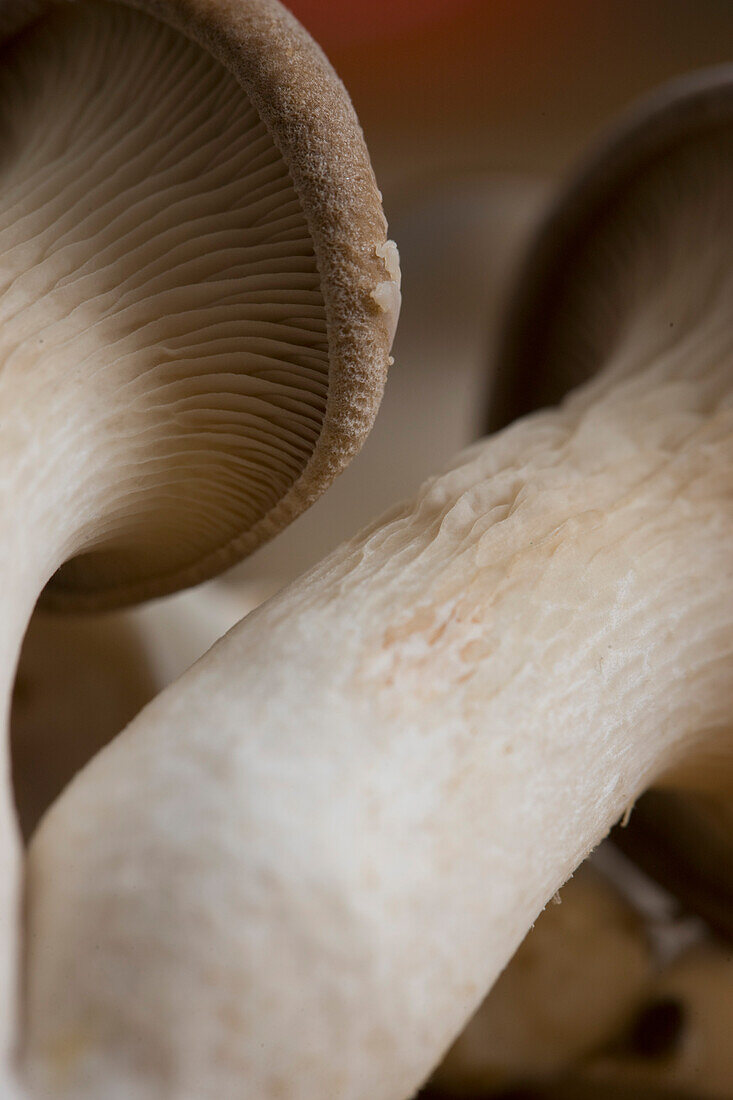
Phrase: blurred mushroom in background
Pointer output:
(457, 245)
(679, 1038)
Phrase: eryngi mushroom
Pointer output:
(304, 864)
(82, 677)
(680, 1038)
(576, 979)
(197, 300)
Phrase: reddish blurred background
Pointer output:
(461, 85)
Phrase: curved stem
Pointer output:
(304, 864)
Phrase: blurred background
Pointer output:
(473, 111)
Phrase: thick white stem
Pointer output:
(305, 863)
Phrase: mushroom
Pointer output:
(304, 864)
(197, 300)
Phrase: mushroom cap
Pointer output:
(545, 349)
(321, 385)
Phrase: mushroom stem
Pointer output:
(330, 836)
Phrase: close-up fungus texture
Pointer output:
(159, 278)
(419, 741)
(333, 825)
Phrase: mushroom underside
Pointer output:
(159, 289)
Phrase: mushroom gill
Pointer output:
(162, 310)
(197, 300)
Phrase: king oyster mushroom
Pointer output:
(197, 300)
(304, 864)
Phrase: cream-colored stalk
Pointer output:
(305, 863)
(197, 300)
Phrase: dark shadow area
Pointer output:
(80, 680)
